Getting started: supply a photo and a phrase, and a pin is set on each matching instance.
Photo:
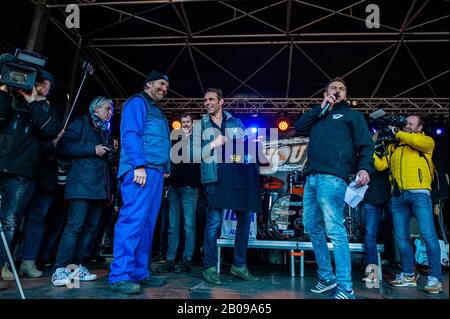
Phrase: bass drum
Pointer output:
(286, 218)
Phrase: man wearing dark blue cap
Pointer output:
(144, 161)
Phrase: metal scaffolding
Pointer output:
(192, 41)
(438, 106)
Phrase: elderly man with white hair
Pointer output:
(86, 142)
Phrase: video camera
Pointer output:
(21, 70)
(381, 122)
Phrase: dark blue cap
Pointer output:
(155, 75)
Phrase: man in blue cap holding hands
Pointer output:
(144, 161)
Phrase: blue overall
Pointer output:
(145, 143)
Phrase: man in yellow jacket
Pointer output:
(410, 161)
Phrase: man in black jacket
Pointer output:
(184, 183)
(25, 118)
(339, 141)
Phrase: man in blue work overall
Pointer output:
(144, 160)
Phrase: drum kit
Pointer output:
(282, 211)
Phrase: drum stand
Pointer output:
(11, 262)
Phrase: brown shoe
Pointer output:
(3, 284)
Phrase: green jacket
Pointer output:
(203, 153)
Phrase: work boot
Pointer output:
(153, 281)
(166, 266)
(211, 276)
(243, 273)
(183, 267)
(126, 287)
(6, 273)
(28, 269)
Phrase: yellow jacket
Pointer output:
(407, 160)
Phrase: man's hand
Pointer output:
(29, 97)
(101, 150)
(140, 176)
(329, 99)
(218, 141)
(364, 178)
(4, 88)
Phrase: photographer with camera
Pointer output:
(409, 159)
(25, 119)
(86, 142)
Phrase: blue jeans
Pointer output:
(182, 200)
(372, 217)
(213, 222)
(15, 193)
(83, 217)
(323, 215)
(35, 213)
(419, 204)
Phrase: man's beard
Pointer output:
(157, 96)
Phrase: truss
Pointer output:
(430, 106)
(191, 40)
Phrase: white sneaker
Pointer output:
(60, 277)
(85, 275)
(434, 286)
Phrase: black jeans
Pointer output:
(36, 211)
(83, 218)
(15, 193)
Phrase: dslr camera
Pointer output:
(21, 70)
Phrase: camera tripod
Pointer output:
(11, 262)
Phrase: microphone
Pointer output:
(327, 106)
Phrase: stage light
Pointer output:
(254, 130)
(354, 103)
(439, 131)
(176, 125)
(283, 124)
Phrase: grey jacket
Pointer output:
(208, 162)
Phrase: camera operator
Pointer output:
(25, 118)
(410, 162)
(43, 197)
(88, 185)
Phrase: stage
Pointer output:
(275, 283)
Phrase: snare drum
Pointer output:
(286, 217)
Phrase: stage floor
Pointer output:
(275, 283)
